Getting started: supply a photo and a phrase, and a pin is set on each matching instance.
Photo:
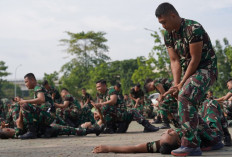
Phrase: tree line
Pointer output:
(91, 62)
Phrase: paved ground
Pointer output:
(82, 146)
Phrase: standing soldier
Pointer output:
(191, 53)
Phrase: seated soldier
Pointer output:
(137, 97)
(168, 104)
(36, 114)
(70, 111)
(117, 120)
(226, 101)
(85, 99)
(52, 91)
(171, 140)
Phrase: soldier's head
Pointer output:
(168, 16)
(101, 86)
(169, 141)
(148, 85)
(117, 87)
(64, 92)
(30, 81)
(46, 84)
(229, 84)
(209, 93)
(83, 90)
(137, 87)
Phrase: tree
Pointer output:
(89, 48)
(223, 53)
(90, 51)
(3, 73)
(51, 78)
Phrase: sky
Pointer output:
(30, 30)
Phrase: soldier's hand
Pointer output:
(22, 102)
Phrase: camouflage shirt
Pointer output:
(57, 97)
(191, 32)
(111, 91)
(48, 98)
(166, 83)
(85, 97)
(135, 94)
(72, 101)
(230, 90)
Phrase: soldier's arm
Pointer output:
(224, 98)
(39, 100)
(160, 88)
(112, 101)
(195, 52)
(53, 96)
(140, 148)
(175, 65)
(132, 97)
(64, 105)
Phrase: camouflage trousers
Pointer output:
(205, 135)
(68, 113)
(67, 130)
(140, 107)
(227, 105)
(189, 98)
(169, 105)
(109, 113)
(37, 116)
(13, 115)
(212, 114)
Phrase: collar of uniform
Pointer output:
(181, 27)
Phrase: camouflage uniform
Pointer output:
(4, 108)
(67, 130)
(196, 85)
(85, 97)
(39, 116)
(13, 115)
(74, 112)
(227, 105)
(57, 98)
(169, 104)
(148, 108)
(109, 111)
(139, 94)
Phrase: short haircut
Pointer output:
(167, 148)
(165, 9)
(118, 85)
(211, 91)
(101, 81)
(125, 94)
(83, 89)
(64, 89)
(230, 80)
(138, 85)
(148, 80)
(45, 82)
(30, 76)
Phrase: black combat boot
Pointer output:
(122, 127)
(166, 124)
(96, 129)
(148, 127)
(227, 137)
(50, 132)
(109, 129)
(30, 134)
(157, 121)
